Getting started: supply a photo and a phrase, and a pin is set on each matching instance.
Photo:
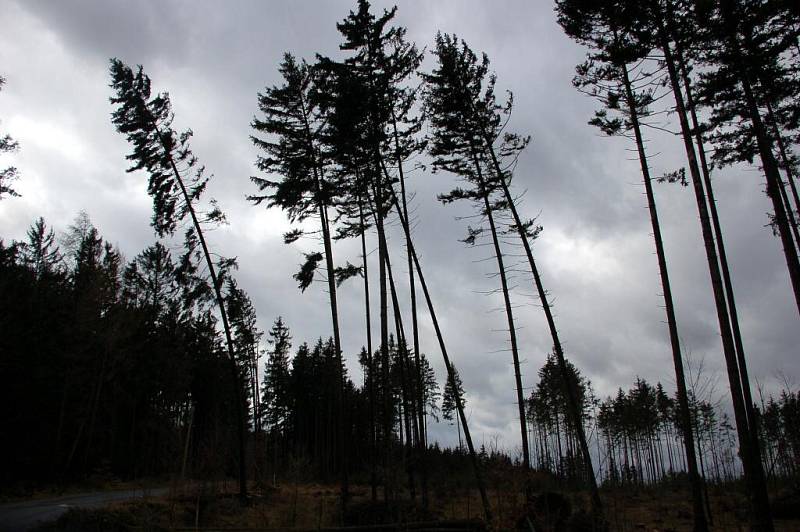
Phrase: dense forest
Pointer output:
(155, 365)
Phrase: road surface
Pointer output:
(24, 515)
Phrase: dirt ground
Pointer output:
(213, 505)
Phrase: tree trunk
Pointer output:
(329, 267)
(339, 390)
(744, 414)
(719, 239)
(683, 405)
(235, 378)
(789, 175)
(572, 394)
(370, 366)
(388, 415)
(419, 388)
(512, 331)
(487, 510)
(767, 160)
(724, 319)
(404, 395)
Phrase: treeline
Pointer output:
(300, 420)
(107, 364)
(637, 434)
(112, 368)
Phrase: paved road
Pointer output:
(22, 516)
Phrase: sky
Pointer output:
(596, 252)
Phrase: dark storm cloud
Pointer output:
(595, 253)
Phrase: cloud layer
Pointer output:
(596, 252)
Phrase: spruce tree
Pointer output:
(276, 387)
(246, 338)
(293, 119)
(41, 252)
(487, 120)
(452, 399)
(745, 49)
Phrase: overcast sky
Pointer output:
(596, 253)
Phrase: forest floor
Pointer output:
(214, 506)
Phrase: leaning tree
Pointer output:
(176, 184)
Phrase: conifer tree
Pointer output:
(150, 280)
(371, 133)
(456, 146)
(453, 391)
(487, 120)
(276, 388)
(176, 184)
(246, 338)
(745, 47)
(661, 17)
(364, 38)
(41, 252)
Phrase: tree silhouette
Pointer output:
(293, 117)
(744, 47)
(453, 391)
(176, 183)
(455, 144)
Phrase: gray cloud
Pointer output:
(595, 253)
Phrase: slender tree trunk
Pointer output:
(787, 166)
(254, 388)
(767, 160)
(487, 509)
(744, 414)
(388, 415)
(572, 394)
(737, 337)
(683, 405)
(330, 270)
(458, 431)
(419, 388)
(235, 377)
(339, 390)
(370, 366)
(409, 409)
(512, 331)
(404, 386)
(724, 319)
(712, 206)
